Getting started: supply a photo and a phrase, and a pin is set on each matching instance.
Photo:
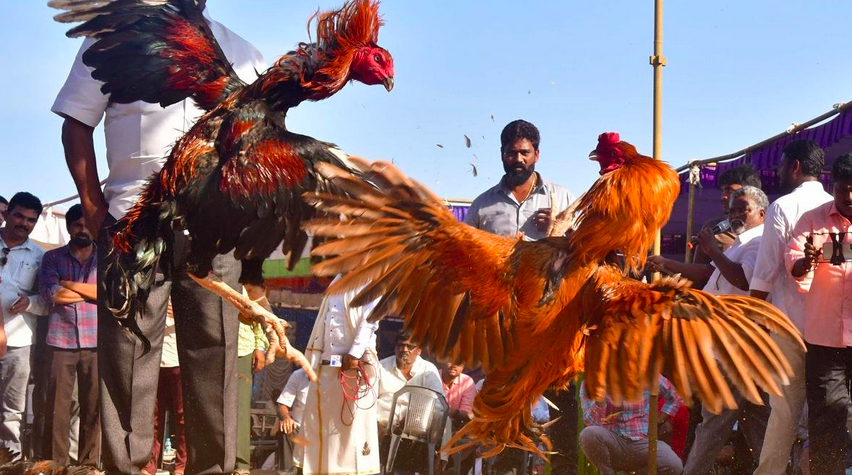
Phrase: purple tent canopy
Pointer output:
(835, 136)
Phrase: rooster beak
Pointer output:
(388, 82)
(593, 155)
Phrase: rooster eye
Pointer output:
(377, 58)
(612, 154)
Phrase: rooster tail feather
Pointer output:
(140, 240)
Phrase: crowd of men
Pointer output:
(100, 394)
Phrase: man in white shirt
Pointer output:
(138, 138)
(291, 407)
(340, 418)
(405, 367)
(801, 164)
(729, 274)
(20, 260)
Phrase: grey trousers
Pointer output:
(14, 375)
(206, 330)
(611, 453)
(715, 430)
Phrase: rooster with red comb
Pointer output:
(239, 164)
(535, 314)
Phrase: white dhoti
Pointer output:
(342, 435)
(341, 428)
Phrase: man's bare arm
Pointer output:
(86, 291)
(78, 141)
(65, 296)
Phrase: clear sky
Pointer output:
(739, 71)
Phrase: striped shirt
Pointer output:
(70, 326)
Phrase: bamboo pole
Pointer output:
(693, 179)
(658, 61)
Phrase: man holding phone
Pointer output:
(522, 205)
(20, 260)
(828, 318)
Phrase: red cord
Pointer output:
(354, 391)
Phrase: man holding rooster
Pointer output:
(139, 136)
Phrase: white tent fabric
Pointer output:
(49, 231)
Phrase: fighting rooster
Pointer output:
(534, 314)
(234, 182)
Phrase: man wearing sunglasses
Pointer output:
(20, 260)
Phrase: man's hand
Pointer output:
(812, 255)
(656, 264)
(350, 362)
(708, 243)
(20, 305)
(258, 361)
(665, 428)
(288, 425)
(541, 219)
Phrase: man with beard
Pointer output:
(20, 259)
(729, 274)
(520, 205)
(68, 279)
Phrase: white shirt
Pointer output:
(340, 339)
(423, 373)
(295, 393)
(744, 252)
(140, 135)
(20, 274)
(169, 358)
(770, 273)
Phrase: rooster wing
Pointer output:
(637, 330)
(158, 51)
(452, 283)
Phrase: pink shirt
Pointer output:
(827, 288)
(460, 393)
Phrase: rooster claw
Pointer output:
(254, 308)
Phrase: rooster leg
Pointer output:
(252, 310)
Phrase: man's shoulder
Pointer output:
(486, 196)
(388, 363)
(54, 253)
(427, 366)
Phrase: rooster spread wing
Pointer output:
(454, 285)
(158, 51)
(636, 330)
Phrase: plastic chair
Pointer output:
(422, 420)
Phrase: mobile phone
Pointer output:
(16, 302)
(828, 251)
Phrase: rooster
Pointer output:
(534, 314)
(234, 182)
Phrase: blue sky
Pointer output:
(739, 72)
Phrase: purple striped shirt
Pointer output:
(71, 326)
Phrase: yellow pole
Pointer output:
(657, 61)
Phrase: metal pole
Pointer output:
(657, 61)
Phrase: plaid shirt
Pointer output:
(628, 420)
(71, 326)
